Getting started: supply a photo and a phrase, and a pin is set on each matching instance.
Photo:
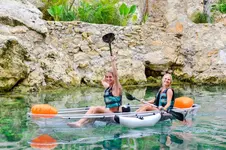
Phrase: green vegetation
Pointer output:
(92, 11)
(62, 13)
(101, 12)
(126, 13)
(145, 18)
(58, 10)
(199, 17)
(11, 124)
(216, 9)
(220, 6)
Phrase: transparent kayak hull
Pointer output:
(65, 116)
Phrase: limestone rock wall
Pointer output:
(73, 53)
(12, 67)
(36, 54)
(202, 49)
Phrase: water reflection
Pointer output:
(205, 131)
(164, 135)
(114, 144)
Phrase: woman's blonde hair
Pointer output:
(109, 71)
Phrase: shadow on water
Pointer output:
(205, 131)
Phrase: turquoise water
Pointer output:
(206, 130)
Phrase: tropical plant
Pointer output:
(62, 13)
(48, 4)
(55, 12)
(92, 11)
(127, 13)
(69, 13)
(220, 6)
(59, 10)
(101, 12)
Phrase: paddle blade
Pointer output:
(108, 38)
(177, 115)
(129, 96)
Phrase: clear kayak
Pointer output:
(64, 116)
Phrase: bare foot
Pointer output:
(74, 124)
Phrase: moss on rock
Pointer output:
(12, 67)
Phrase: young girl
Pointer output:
(164, 98)
(112, 96)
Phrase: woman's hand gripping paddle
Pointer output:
(177, 115)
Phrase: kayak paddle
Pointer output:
(131, 97)
(177, 115)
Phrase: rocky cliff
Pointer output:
(37, 54)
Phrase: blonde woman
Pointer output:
(164, 99)
(112, 96)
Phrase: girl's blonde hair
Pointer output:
(110, 71)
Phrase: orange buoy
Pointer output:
(44, 142)
(44, 110)
(183, 102)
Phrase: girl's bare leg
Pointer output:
(146, 108)
(92, 110)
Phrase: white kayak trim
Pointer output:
(135, 122)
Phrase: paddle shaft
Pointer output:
(110, 49)
(177, 115)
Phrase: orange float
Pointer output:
(45, 110)
(183, 102)
(44, 142)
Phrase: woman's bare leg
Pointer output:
(146, 108)
(92, 110)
